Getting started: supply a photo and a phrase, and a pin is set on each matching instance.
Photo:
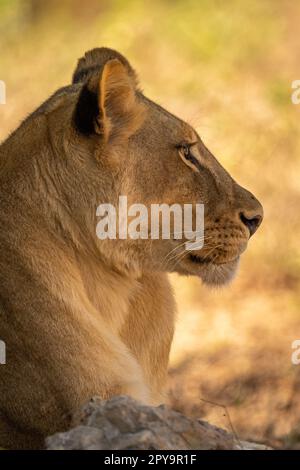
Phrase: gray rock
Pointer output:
(122, 423)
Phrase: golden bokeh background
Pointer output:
(227, 68)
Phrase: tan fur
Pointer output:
(80, 316)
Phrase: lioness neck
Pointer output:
(109, 291)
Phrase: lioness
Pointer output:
(82, 316)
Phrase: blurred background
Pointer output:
(227, 68)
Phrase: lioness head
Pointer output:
(122, 143)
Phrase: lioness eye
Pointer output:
(186, 150)
(187, 155)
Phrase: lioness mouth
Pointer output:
(199, 259)
(202, 260)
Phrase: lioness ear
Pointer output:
(109, 105)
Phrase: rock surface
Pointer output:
(122, 423)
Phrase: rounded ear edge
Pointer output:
(121, 110)
(94, 61)
(108, 103)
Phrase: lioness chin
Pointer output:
(82, 316)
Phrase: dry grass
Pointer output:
(226, 67)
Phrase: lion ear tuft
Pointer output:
(109, 105)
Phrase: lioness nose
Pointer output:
(252, 221)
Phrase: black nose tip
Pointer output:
(252, 223)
